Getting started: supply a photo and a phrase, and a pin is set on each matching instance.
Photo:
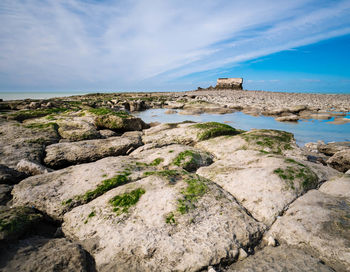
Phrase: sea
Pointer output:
(304, 130)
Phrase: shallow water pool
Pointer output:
(304, 130)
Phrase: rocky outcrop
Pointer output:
(282, 258)
(120, 123)
(42, 254)
(340, 160)
(166, 225)
(77, 130)
(319, 223)
(65, 154)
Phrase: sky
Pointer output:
(151, 45)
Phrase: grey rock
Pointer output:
(77, 129)
(331, 148)
(319, 224)
(120, 124)
(65, 154)
(31, 168)
(154, 235)
(5, 193)
(42, 254)
(279, 259)
(106, 133)
(340, 160)
(288, 118)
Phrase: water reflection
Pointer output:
(303, 130)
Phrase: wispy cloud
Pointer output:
(118, 44)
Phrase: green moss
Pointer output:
(67, 202)
(105, 186)
(105, 111)
(196, 188)
(276, 141)
(92, 214)
(42, 125)
(17, 220)
(123, 202)
(156, 162)
(28, 114)
(170, 219)
(171, 175)
(299, 172)
(187, 160)
(171, 151)
(214, 129)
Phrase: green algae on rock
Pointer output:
(123, 202)
(214, 129)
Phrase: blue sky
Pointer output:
(70, 45)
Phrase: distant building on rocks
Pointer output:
(229, 83)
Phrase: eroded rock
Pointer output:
(340, 160)
(31, 168)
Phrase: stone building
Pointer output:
(230, 83)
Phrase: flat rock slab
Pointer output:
(65, 154)
(263, 184)
(279, 259)
(40, 254)
(153, 235)
(338, 186)
(57, 192)
(320, 224)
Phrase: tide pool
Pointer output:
(304, 130)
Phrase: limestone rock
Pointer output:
(338, 186)
(340, 160)
(42, 254)
(288, 118)
(77, 129)
(64, 154)
(264, 185)
(186, 133)
(16, 221)
(9, 175)
(331, 148)
(282, 258)
(318, 223)
(5, 193)
(57, 192)
(106, 133)
(18, 141)
(170, 112)
(31, 168)
(120, 123)
(162, 230)
(173, 156)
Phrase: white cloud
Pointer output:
(118, 44)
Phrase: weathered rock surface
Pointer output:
(120, 123)
(106, 133)
(162, 230)
(41, 254)
(340, 160)
(64, 154)
(185, 133)
(31, 168)
(318, 223)
(282, 258)
(57, 192)
(173, 156)
(288, 118)
(331, 148)
(9, 175)
(20, 142)
(16, 221)
(77, 129)
(5, 193)
(264, 185)
(338, 186)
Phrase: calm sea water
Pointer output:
(304, 130)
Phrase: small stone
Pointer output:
(242, 254)
(211, 269)
(271, 241)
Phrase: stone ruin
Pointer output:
(229, 83)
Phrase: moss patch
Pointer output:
(171, 175)
(187, 160)
(214, 129)
(28, 114)
(105, 111)
(156, 162)
(196, 188)
(42, 125)
(306, 178)
(92, 214)
(123, 202)
(15, 221)
(275, 140)
(105, 186)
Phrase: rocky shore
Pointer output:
(87, 186)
